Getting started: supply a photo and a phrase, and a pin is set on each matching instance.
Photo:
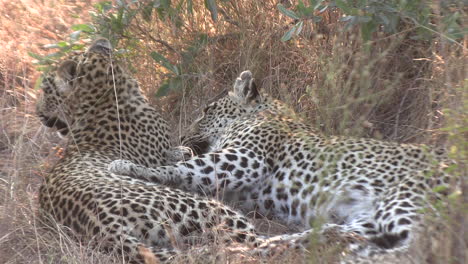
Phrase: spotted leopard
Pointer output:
(257, 154)
(98, 106)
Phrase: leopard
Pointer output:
(256, 152)
(92, 101)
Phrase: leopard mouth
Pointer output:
(56, 123)
(198, 145)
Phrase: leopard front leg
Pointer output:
(179, 153)
(231, 169)
(128, 168)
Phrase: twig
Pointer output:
(228, 18)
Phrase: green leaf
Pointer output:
(367, 29)
(211, 5)
(361, 3)
(288, 35)
(44, 60)
(51, 46)
(103, 6)
(347, 18)
(63, 44)
(287, 12)
(166, 4)
(384, 19)
(147, 11)
(322, 8)
(316, 19)
(55, 55)
(35, 56)
(343, 6)
(121, 51)
(172, 84)
(453, 29)
(317, 5)
(451, 168)
(190, 6)
(77, 47)
(304, 11)
(83, 27)
(38, 83)
(393, 23)
(440, 189)
(164, 62)
(364, 19)
(75, 36)
(163, 90)
(193, 50)
(299, 28)
(301, 7)
(44, 69)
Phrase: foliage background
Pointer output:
(392, 70)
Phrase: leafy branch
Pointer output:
(374, 15)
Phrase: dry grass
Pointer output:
(24, 144)
(398, 90)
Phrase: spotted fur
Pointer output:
(255, 153)
(91, 100)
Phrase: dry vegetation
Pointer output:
(400, 89)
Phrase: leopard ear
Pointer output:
(66, 72)
(252, 92)
(245, 87)
(101, 45)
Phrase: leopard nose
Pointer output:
(53, 122)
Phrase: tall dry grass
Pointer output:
(399, 89)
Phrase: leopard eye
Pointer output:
(208, 107)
